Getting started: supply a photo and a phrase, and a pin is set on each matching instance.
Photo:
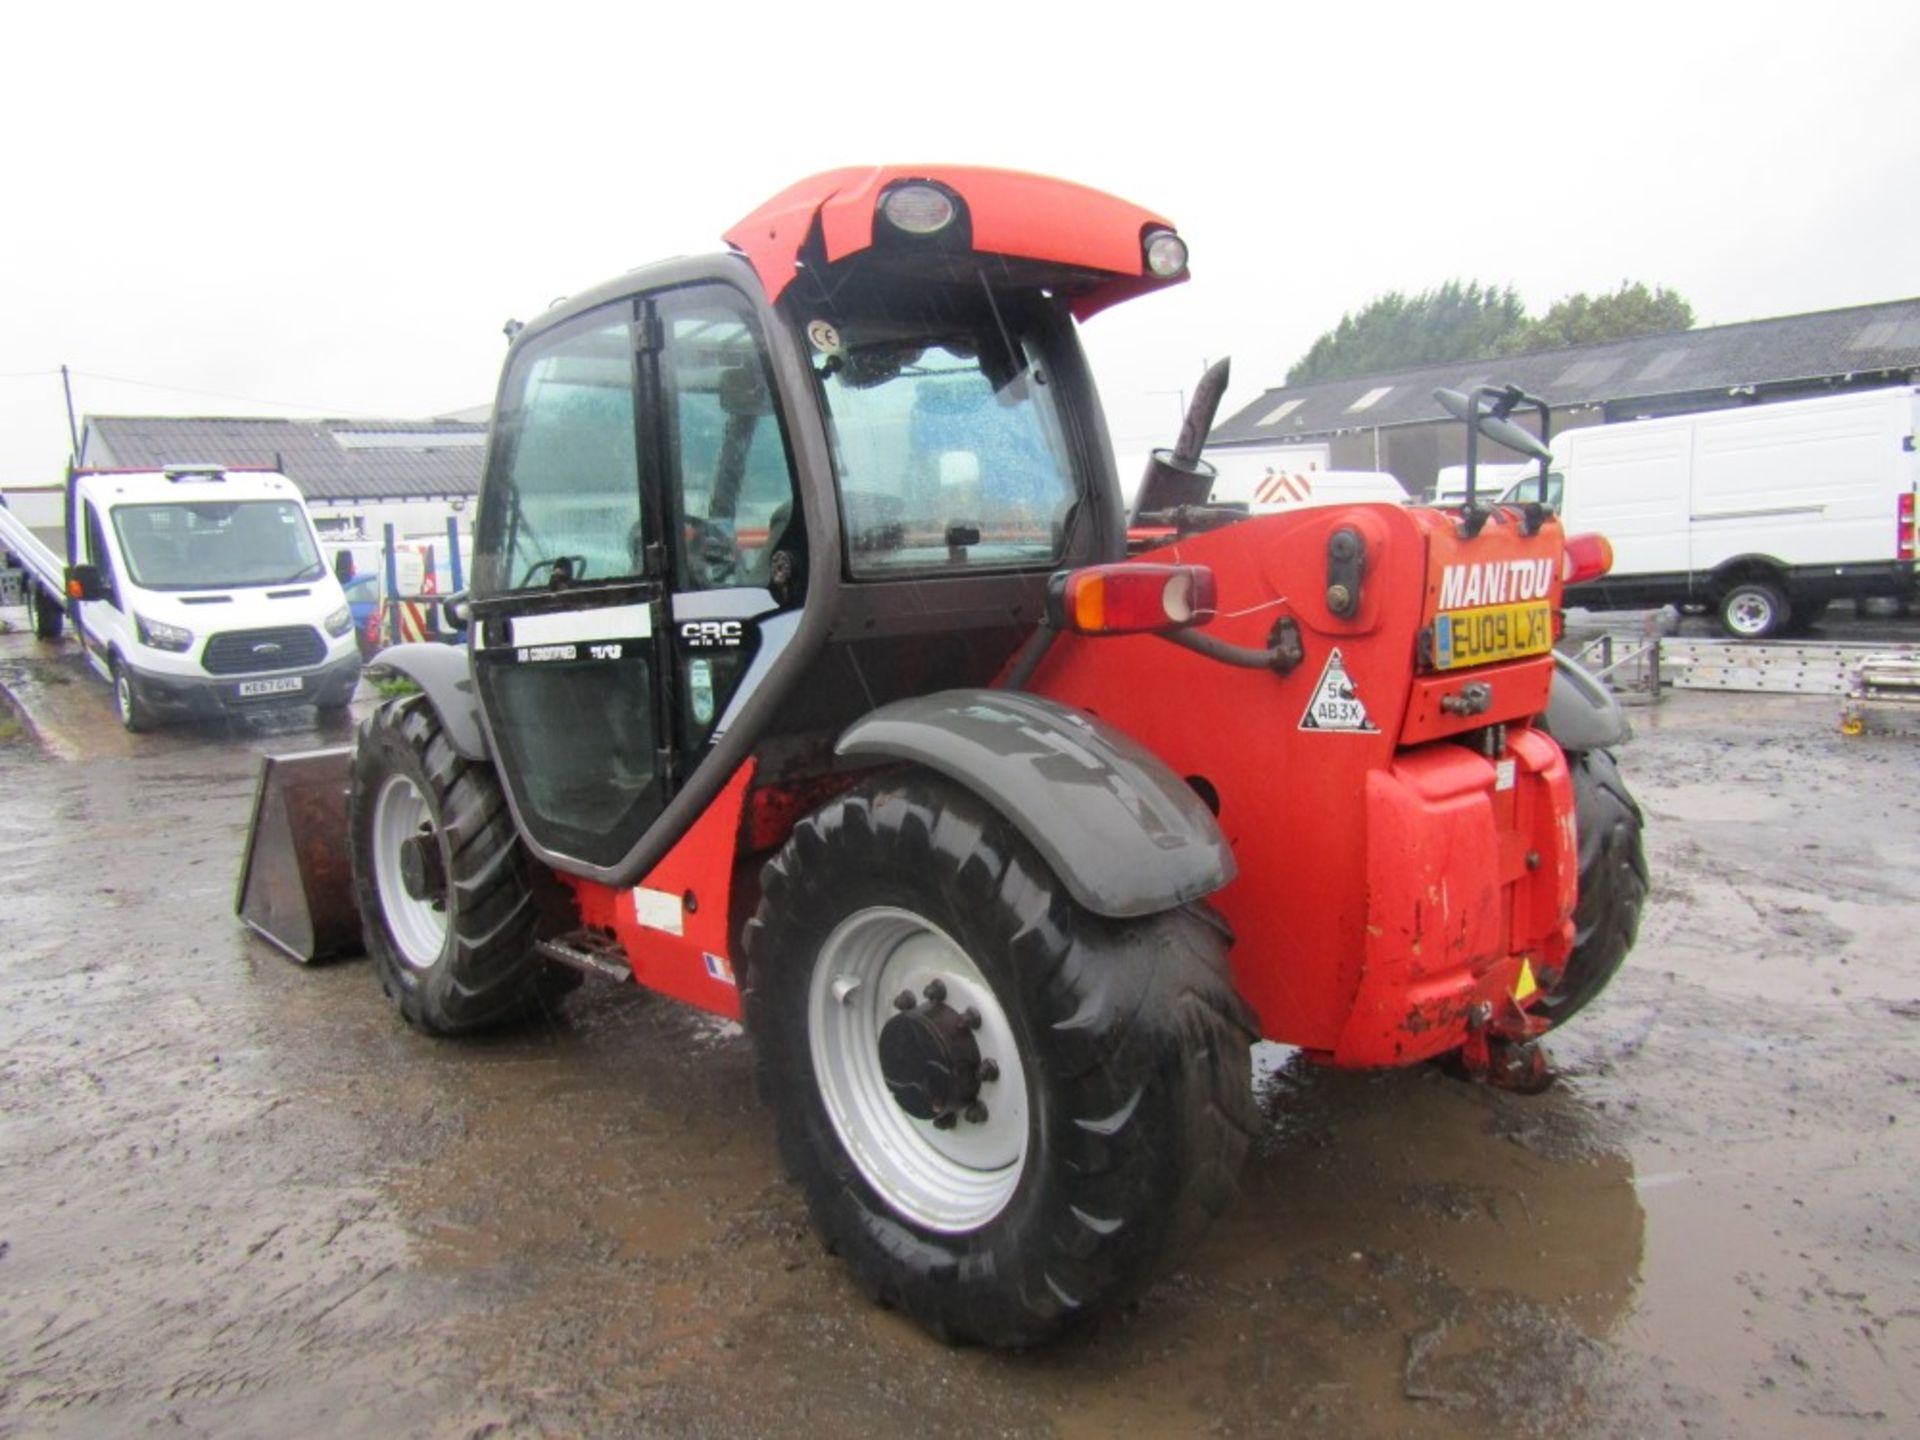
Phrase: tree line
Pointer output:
(1465, 320)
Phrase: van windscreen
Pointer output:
(218, 545)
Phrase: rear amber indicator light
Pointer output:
(1130, 599)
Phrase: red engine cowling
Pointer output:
(1404, 834)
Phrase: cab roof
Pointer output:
(1012, 213)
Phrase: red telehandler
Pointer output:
(812, 679)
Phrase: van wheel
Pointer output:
(1754, 609)
(1004, 1110)
(133, 715)
(46, 617)
(1613, 885)
(441, 878)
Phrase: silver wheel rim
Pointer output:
(123, 696)
(418, 927)
(1750, 614)
(952, 1180)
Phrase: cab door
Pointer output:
(569, 628)
(638, 563)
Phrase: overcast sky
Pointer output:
(329, 210)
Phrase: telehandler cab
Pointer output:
(810, 681)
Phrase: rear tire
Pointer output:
(1613, 885)
(1754, 610)
(47, 618)
(458, 954)
(1808, 613)
(1121, 1107)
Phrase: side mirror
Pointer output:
(85, 582)
(343, 565)
(1499, 430)
(457, 610)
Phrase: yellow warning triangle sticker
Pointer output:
(1336, 705)
(1526, 985)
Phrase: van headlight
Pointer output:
(162, 636)
(340, 622)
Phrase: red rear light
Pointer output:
(1129, 599)
(1586, 557)
(1906, 526)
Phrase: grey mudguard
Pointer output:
(1582, 714)
(1124, 833)
(443, 672)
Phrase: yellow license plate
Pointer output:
(1494, 632)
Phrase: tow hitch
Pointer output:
(1503, 1047)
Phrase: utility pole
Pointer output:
(73, 430)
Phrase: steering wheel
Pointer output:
(713, 560)
(566, 569)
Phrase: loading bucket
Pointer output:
(296, 882)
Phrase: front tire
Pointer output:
(442, 880)
(126, 700)
(1613, 885)
(1004, 1110)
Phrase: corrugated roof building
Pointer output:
(334, 462)
(1390, 421)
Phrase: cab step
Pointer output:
(589, 951)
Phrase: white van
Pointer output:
(1766, 513)
(199, 590)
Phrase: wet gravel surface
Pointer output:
(239, 1197)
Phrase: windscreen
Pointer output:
(216, 545)
(948, 441)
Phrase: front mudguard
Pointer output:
(1124, 833)
(444, 673)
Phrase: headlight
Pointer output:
(160, 635)
(918, 208)
(340, 622)
(1166, 254)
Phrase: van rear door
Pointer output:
(1630, 485)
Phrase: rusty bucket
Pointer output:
(296, 881)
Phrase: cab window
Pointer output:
(563, 499)
(729, 477)
(948, 442)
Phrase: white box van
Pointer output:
(198, 590)
(1765, 514)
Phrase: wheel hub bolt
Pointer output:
(936, 991)
(976, 1114)
(989, 1070)
(945, 1121)
(972, 1017)
(904, 1000)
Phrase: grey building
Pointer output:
(1389, 421)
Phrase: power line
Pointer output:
(334, 410)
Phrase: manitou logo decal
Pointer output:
(1494, 582)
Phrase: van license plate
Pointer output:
(1495, 632)
(285, 685)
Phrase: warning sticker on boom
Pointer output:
(1336, 705)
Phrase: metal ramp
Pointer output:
(1860, 674)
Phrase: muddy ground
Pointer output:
(238, 1197)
